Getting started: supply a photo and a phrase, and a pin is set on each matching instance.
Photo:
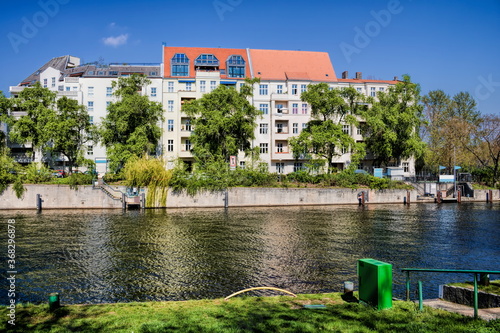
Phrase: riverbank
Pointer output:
(242, 314)
(97, 197)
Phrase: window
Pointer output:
(373, 93)
(170, 125)
(90, 91)
(279, 89)
(180, 65)
(279, 127)
(60, 88)
(188, 86)
(207, 60)
(91, 120)
(90, 73)
(294, 89)
(263, 89)
(358, 131)
(101, 73)
(381, 89)
(279, 147)
(304, 126)
(170, 106)
(90, 150)
(203, 86)
(90, 106)
(109, 91)
(75, 88)
(53, 82)
(345, 129)
(406, 167)
(297, 166)
(358, 89)
(153, 91)
(295, 128)
(153, 73)
(295, 108)
(303, 88)
(108, 103)
(113, 73)
(280, 167)
(45, 83)
(170, 87)
(188, 145)
(68, 88)
(304, 108)
(279, 108)
(344, 150)
(263, 128)
(264, 148)
(264, 108)
(188, 125)
(213, 85)
(236, 66)
(242, 164)
(170, 145)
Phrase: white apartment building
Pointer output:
(190, 72)
(187, 73)
(91, 86)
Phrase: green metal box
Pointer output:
(375, 283)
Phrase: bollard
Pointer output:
(54, 301)
(124, 201)
(348, 288)
(420, 297)
(408, 197)
(226, 200)
(143, 200)
(459, 196)
(38, 202)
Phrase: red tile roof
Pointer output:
(292, 65)
(367, 81)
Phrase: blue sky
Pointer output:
(448, 45)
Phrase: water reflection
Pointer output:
(98, 256)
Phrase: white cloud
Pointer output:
(115, 41)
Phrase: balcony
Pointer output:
(71, 80)
(68, 93)
(16, 89)
(207, 74)
(22, 158)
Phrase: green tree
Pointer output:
(393, 122)
(38, 103)
(224, 123)
(70, 130)
(5, 105)
(324, 135)
(131, 126)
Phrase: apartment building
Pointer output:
(91, 86)
(190, 72)
(187, 73)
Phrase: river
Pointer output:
(102, 256)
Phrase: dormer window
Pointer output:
(236, 66)
(207, 62)
(180, 65)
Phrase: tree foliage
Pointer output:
(70, 130)
(224, 122)
(130, 127)
(5, 106)
(392, 124)
(38, 104)
(324, 136)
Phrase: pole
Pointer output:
(420, 297)
(407, 285)
(475, 296)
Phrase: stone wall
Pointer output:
(465, 296)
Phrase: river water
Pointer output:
(101, 256)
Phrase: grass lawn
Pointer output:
(241, 314)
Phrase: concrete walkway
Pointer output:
(486, 314)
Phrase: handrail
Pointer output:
(432, 270)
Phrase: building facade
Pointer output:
(187, 73)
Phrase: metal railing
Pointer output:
(429, 270)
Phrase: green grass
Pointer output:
(242, 314)
(493, 288)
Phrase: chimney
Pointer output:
(395, 78)
(358, 75)
(345, 74)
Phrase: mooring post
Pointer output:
(124, 201)
(489, 196)
(226, 199)
(39, 202)
(459, 196)
(408, 197)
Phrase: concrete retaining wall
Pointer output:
(465, 296)
(58, 197)
(63, 197)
